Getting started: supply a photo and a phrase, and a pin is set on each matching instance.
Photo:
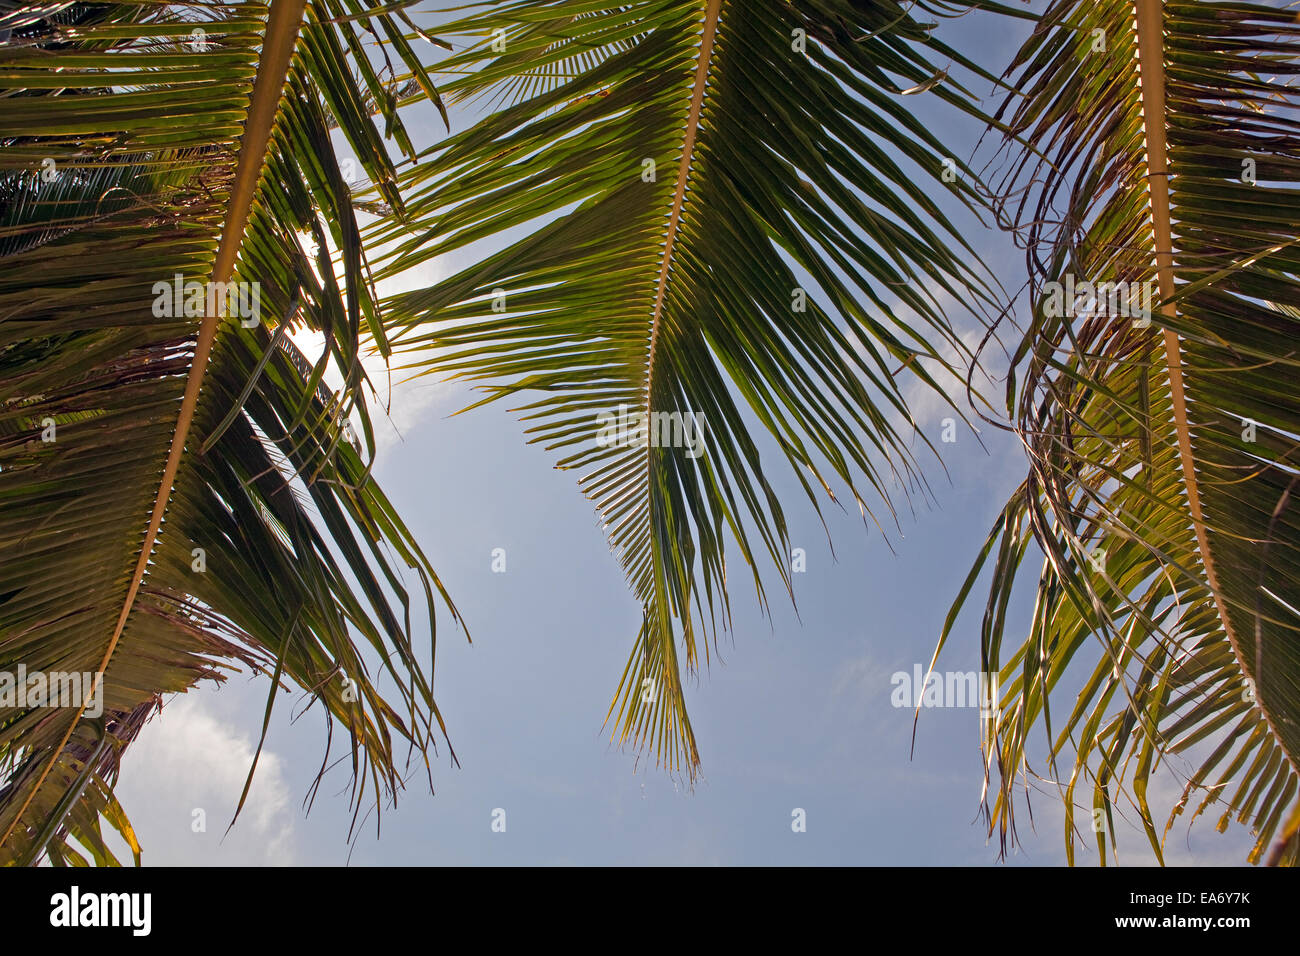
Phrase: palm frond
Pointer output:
(727, 214)
(270, 544)
(1162, 445)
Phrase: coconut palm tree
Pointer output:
(208, 154)
(708, 217)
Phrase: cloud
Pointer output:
(860, 694)
(862, 679)
(185, 760)
(399, 403)
(930, 407)
(929, 404)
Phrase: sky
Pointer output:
(794, 713)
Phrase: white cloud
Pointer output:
(929, 407)
(186, 759)
(862, 678)
(399, 403)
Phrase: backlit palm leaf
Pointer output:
(157, 149)
(673, 178)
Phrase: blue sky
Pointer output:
(795, 712)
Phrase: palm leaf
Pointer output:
(216, 156)
(1168, 528)
(727, 216)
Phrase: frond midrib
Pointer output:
(712, 13)
(283, 24)
(1150, 27)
